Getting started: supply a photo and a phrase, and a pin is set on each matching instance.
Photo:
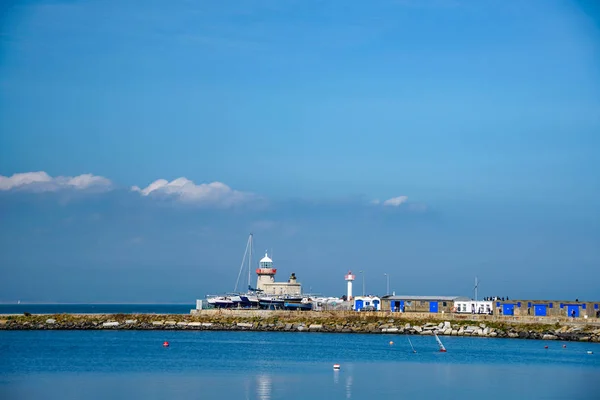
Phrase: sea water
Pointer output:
(279, 365)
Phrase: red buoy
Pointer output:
(545, 347)
(564, 346)
(166, 344)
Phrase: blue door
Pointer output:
(433, 306)
(358, 304)
(570, 310)
(539, 310)
(376, 305)
(402, 305)
(508, 309)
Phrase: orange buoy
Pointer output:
(391, 343)
(336, 367)
(166, 344)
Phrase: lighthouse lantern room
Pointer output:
(266, 272)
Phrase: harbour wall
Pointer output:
(330, 322)
(412, 316)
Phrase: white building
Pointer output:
(371, 303)
(473, 307)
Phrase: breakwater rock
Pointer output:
(296, 322)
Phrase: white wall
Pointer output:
(466, 307)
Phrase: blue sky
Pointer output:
(480, 118)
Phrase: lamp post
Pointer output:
(387, 288)
(363, 279)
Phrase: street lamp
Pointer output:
(387, 291)
(363, 279)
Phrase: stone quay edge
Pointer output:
(326, 322)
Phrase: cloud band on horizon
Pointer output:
(181, 190)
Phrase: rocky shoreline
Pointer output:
(297, 323)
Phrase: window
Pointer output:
(444, 304)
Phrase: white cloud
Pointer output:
(42, 182)
(395, 201)
(184, 190)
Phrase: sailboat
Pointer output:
(256, 298)
(442, 348)
(236, 299)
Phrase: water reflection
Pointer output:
(349, 387)
(264, 386)
(247, 387)
(336, 377)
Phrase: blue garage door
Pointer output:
(395, 306)
(433, 306)
(539, 310)
(508, 309)
(570, 310)
(358, 304)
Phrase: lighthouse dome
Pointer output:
(266, 259)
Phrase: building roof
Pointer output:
(266, 259)
(428, 298)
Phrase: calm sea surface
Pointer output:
(263, 365)
(96, 308)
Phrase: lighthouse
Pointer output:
(349, 279)
(266, 273)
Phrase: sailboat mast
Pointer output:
(442, 348)
(250, 262)
(411, 346)
(243, 263)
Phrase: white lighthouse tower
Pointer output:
(266, 273)
(349, 279)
